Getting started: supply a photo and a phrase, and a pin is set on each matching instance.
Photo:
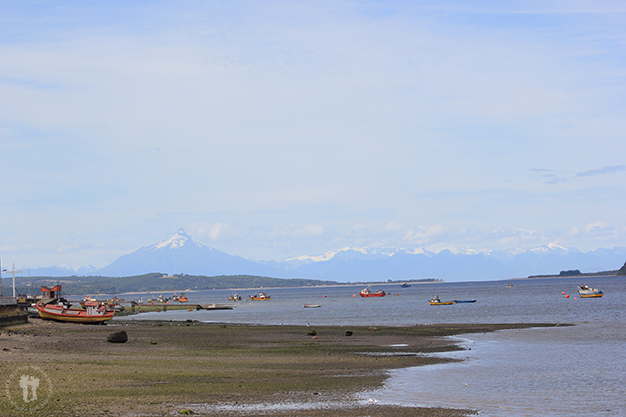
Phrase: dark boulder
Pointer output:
(118, 337)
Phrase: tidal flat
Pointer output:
(174, 368)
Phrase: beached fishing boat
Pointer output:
(259, 296)
(93, 313)
(437, 302)
(367, 292)
(587, 292)
(32, 311)
(312, 305)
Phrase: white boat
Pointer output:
(587, 292)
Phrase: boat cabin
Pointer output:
(94, 308)
(54, 292)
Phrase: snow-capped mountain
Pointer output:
(361, 264)
(182, 254)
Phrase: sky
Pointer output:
(276, 129)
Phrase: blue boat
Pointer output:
(464, 301)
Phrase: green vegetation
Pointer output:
(577, 273)
(6, 311)
(570, 273)
(157, 282)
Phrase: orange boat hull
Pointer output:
(374, 294)
(74, 315)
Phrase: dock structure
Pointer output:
(9, 305)
(8, 301)
(145, 307)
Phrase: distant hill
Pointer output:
(622, 270)
(158, 282)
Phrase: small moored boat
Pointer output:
(587, 292)
(159, 300)
(437, 302)
(312, 305)
(259, 296)
(464, 301)
(367, 292)
(181, 298)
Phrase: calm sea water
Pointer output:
(562, 371)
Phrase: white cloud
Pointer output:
(574, 231)
(596, 226)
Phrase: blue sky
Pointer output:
(276, 129)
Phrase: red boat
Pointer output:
(367, 292)
(93, 313)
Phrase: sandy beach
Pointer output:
(176, 368)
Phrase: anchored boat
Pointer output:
(437, 302)
(259, 296)
(367, 292)
(587, 292)
(182, 298)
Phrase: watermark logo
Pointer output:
(28, 388)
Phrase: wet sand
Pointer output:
(169, 368)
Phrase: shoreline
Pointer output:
(229, 369)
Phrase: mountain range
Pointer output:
(181, 254)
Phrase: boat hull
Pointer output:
(72, 315)
(440, 303)
(593, 295)
(464, 301)
(584, 291)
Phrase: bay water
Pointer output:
(556, 371)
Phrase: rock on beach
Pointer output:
(118, 337)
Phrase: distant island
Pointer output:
(576, 273)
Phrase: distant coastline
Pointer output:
(581, 275)
(160, 283)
